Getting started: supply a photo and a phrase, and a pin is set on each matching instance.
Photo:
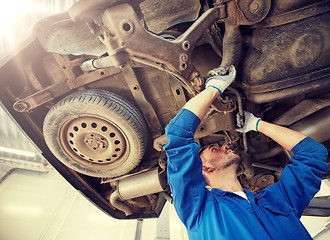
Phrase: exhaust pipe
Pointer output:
(316, 125)
(310, 117)
(120, 205)
(139, 185)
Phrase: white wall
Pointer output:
(44, 206)
(316, 225)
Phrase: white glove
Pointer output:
(220, 81)
(250, 122)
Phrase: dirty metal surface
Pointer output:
(240, 12)
(51, 92)
(85, 11)
(140, 98)
(288, 50)
(173, 56)
(254, 10)
(296, 15)
(163, 14)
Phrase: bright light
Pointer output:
(15, 12)
(17, 151)
(17, 209)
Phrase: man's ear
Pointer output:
(207, 169)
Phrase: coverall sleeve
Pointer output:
(301, 179)
(185, 167)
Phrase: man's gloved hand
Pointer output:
(220, 81)
(250, 123)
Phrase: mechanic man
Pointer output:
(228, 211)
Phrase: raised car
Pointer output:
(95, 87)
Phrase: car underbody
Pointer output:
(95, 87)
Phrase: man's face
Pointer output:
(219, 157)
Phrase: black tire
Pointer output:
(97, 133)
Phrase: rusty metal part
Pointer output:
(242, 12)
(198, 83)
(157, 16)
(95, 141)
(257, 176)
(221, 106)
(140, 202)
(254, 10)
(296, 15)
(164, 14)
(177, 91)
(173, 56)
(162, 91)
(263, 155)
(238, 99)
(85, 11)
(213, 37)
(232, 46)
(159, 143)
(162, 161)
(215, 122)
(263, 181)
(264, 166)
(241, 113)
(36, 85)
(289, 82)
(58, 34)
(146, 108)
(222, 5)
(67, 65)
(249, 171)
(47, 94)
(288, 87)
(283, 6)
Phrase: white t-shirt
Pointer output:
(242, 194)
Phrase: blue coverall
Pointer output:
(272, 214)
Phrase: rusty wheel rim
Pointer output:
(92, 140)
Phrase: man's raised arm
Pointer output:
(286, 137)
(215, 85)
(301, 179)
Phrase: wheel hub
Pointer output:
(95, 140)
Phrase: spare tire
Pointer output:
(97, 133)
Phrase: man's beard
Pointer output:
(229, 161)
